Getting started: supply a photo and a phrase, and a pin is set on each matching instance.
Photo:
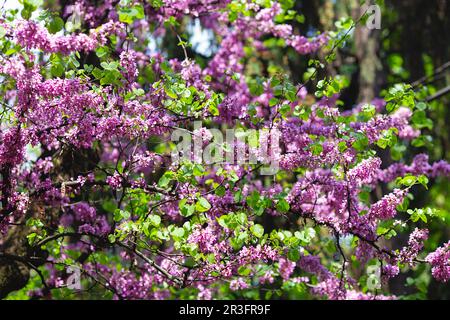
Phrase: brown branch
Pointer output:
(119, 243)
(438, 94)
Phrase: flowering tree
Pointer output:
(93, 202)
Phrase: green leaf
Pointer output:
(316, 149)
(423, 140)
(273, 102)
(361, 143)
(129, 15)
(364, 196)
(185, 209)
(112, 66)
(244, 271)
(177, 232)
(257, 230)
(198, 170)
(421, 106)
(101, 51)
(202, 205)
(408, 180)
(155, 220)
(368, 110)
(32, 238)
(291, 95)
(305, 235)
(342, 146)
(282, 205)
(32, 222)
(171, 21)
(423, 180)
(397, 151)
(29, 6)
(2, 32)
(220, 191)
(57, 65)
(166, 178)
(156, 3)
(97, 73)
(111, 238)
(293, 254)
(110, 77)
(420, 120)
(56, 24)
(121, 215)
(170, 92)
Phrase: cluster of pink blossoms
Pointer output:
(440, 262)
(365, 172)
(31, 35)
(386, 207)
(415, 245)
(66, 117)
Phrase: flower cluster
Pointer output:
(386, 207)
(32, 35)
(86, 172)
(365, 172)
(415, 244)
(440, 262)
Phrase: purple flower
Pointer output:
(440, 262)
(386, 207)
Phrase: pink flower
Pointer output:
(386, 207)
(286, 268)
(365, 172)
(440, 262)
(115, 181)
(238, 284)
(415, 244)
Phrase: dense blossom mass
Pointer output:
(87, 178)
